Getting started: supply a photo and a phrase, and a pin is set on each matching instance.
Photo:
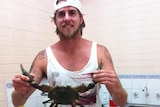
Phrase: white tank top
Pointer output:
(59, 76)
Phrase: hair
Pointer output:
(81, 26)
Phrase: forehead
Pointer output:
(67, 9)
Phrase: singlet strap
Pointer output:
(49, 53)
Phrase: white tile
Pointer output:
(138, 96)
(10, 104)
(31, 103)
(34, 94)
(153, 83)
(126, 83)
(104, 95)
(40, 100)
(9, 90)
(38, 93)
(154, 97)
(138, 83)
(129, 92)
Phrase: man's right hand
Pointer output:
(21, 84)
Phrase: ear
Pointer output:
(81, 20)
(54, 19)
(82, 23)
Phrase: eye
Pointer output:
(72, 13)
(61, 14)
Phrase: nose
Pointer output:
(67, 17)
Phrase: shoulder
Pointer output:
(102, 49)
(40, 61)
(105, 57)
(42, 55)
(103, 53)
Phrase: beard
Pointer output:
(68, 34)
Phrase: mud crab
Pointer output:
(61, 94)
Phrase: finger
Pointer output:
(20, 80)
(107, 74)
(32, 75)
(105, 77)
(22, 77)
(20, 86)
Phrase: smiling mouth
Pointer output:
(67, 26)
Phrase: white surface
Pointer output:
(35, 99)
(104, 95)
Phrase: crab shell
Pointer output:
(63, 95)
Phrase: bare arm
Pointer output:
(109, 77)
(23, 89)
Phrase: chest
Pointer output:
(73, 62)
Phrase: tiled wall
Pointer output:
(128, 28)
(25, 29)
(142, 89)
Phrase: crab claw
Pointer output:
(100, 66)
(43, 88)
(31, 81)
(24, 72)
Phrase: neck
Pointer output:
(70, 45)
(71, 41)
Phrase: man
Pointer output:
(72, 61)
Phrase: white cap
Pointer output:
(65, 3)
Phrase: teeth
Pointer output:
(68, 26)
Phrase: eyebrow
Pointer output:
(60, 11)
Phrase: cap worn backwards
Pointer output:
(65, 3)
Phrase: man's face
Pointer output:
(68, 21)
